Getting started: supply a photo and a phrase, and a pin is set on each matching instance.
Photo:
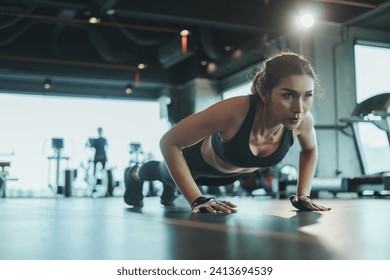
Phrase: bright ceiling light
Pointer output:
(306, 20)
(47, 84)
(129, 89)
(94, 20)
(184, 32)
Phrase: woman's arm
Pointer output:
(307, 165)
(178, 167)
(218, 118)
(308, 156)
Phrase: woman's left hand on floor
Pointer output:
(305, 203)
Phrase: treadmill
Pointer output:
(371, 118)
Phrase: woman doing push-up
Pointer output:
(237, 136)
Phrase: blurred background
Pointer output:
(135, 68)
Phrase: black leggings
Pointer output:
(157, 170)
(203, 173)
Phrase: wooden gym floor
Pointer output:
(105, 228)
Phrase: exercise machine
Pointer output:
(57, 145)
(373, 117)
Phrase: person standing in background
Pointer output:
(99, 145)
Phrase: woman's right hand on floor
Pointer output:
(211, 205)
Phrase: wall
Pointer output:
(204, 92)
(192, 97)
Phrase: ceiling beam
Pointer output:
(192, 21)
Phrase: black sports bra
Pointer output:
(237, 151)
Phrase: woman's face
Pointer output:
(291, 99)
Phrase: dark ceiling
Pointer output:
(53, 40)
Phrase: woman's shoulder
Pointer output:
(229, 112)
(238, 105)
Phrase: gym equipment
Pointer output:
(260, 179)
(111, 184)
(88, 168)
(57, 145)
(91, 142)
(70, 175)
(374, 111)
(5, 164)
(3, 180)
(288, 179)
(2, 186)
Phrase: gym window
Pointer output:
(372, 67)
(30, 122)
